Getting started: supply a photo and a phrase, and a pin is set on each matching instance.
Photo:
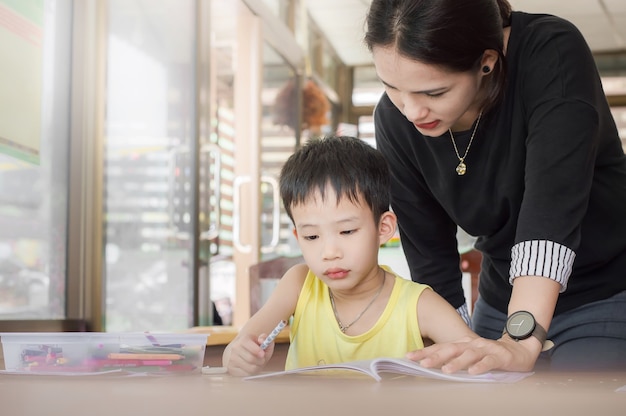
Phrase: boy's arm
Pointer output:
(439, 321)
(243, 355)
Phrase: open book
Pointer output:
(403, 366)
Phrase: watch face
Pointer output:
(520, 325)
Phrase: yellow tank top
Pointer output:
(316, 338)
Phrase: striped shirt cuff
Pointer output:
(464, 312)
(542, 258)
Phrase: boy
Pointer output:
(345, 307)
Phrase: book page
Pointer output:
(363, 367)
(374, 368)
(411, 368)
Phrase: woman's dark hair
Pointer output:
(351, 167)
(451, 34)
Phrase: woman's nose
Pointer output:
(414, 110)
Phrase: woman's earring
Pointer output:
(486, 69)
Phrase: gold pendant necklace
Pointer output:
(461, 168)
(343, 327)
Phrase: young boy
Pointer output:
(345, 307)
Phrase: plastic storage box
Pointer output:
(88, 352)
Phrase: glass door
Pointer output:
(217, 198)
(280, 135)
(149, 168)
(255, 65)
(36, 45)
(235, 80)
(191, 159)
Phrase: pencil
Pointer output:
(273, 334)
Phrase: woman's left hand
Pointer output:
(479, 355)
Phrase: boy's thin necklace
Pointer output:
(343, 327)
(461, 168)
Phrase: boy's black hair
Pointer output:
(349, 165)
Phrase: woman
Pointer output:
(496, 122)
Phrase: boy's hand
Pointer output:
(479, 355)
(246, 356)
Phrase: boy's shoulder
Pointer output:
(297, 274)
(300, 269)
(402, 281)
(408, 287)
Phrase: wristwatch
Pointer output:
(521, 325)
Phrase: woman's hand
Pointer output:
(479, 355)
(244, 356)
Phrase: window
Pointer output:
(33, 198)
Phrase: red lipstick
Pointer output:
(427, 126)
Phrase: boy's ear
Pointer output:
(295, 232)
(387, 226)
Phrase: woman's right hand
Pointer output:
(479, 355)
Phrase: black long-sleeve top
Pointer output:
(545, 188)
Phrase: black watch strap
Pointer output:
(538, 331)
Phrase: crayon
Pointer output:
(155, 356)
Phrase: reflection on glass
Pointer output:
(148, 178)
(279, 137)
(33, 198)
(278, 142)
(216, 186)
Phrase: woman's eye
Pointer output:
(348, 232)
(310, 237)
(435, 95)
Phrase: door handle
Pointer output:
(237, 182)
(214, 228)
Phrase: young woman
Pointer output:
(496, 122)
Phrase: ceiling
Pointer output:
(602, 22)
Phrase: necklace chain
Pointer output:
(343, 327)
(461, 168)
